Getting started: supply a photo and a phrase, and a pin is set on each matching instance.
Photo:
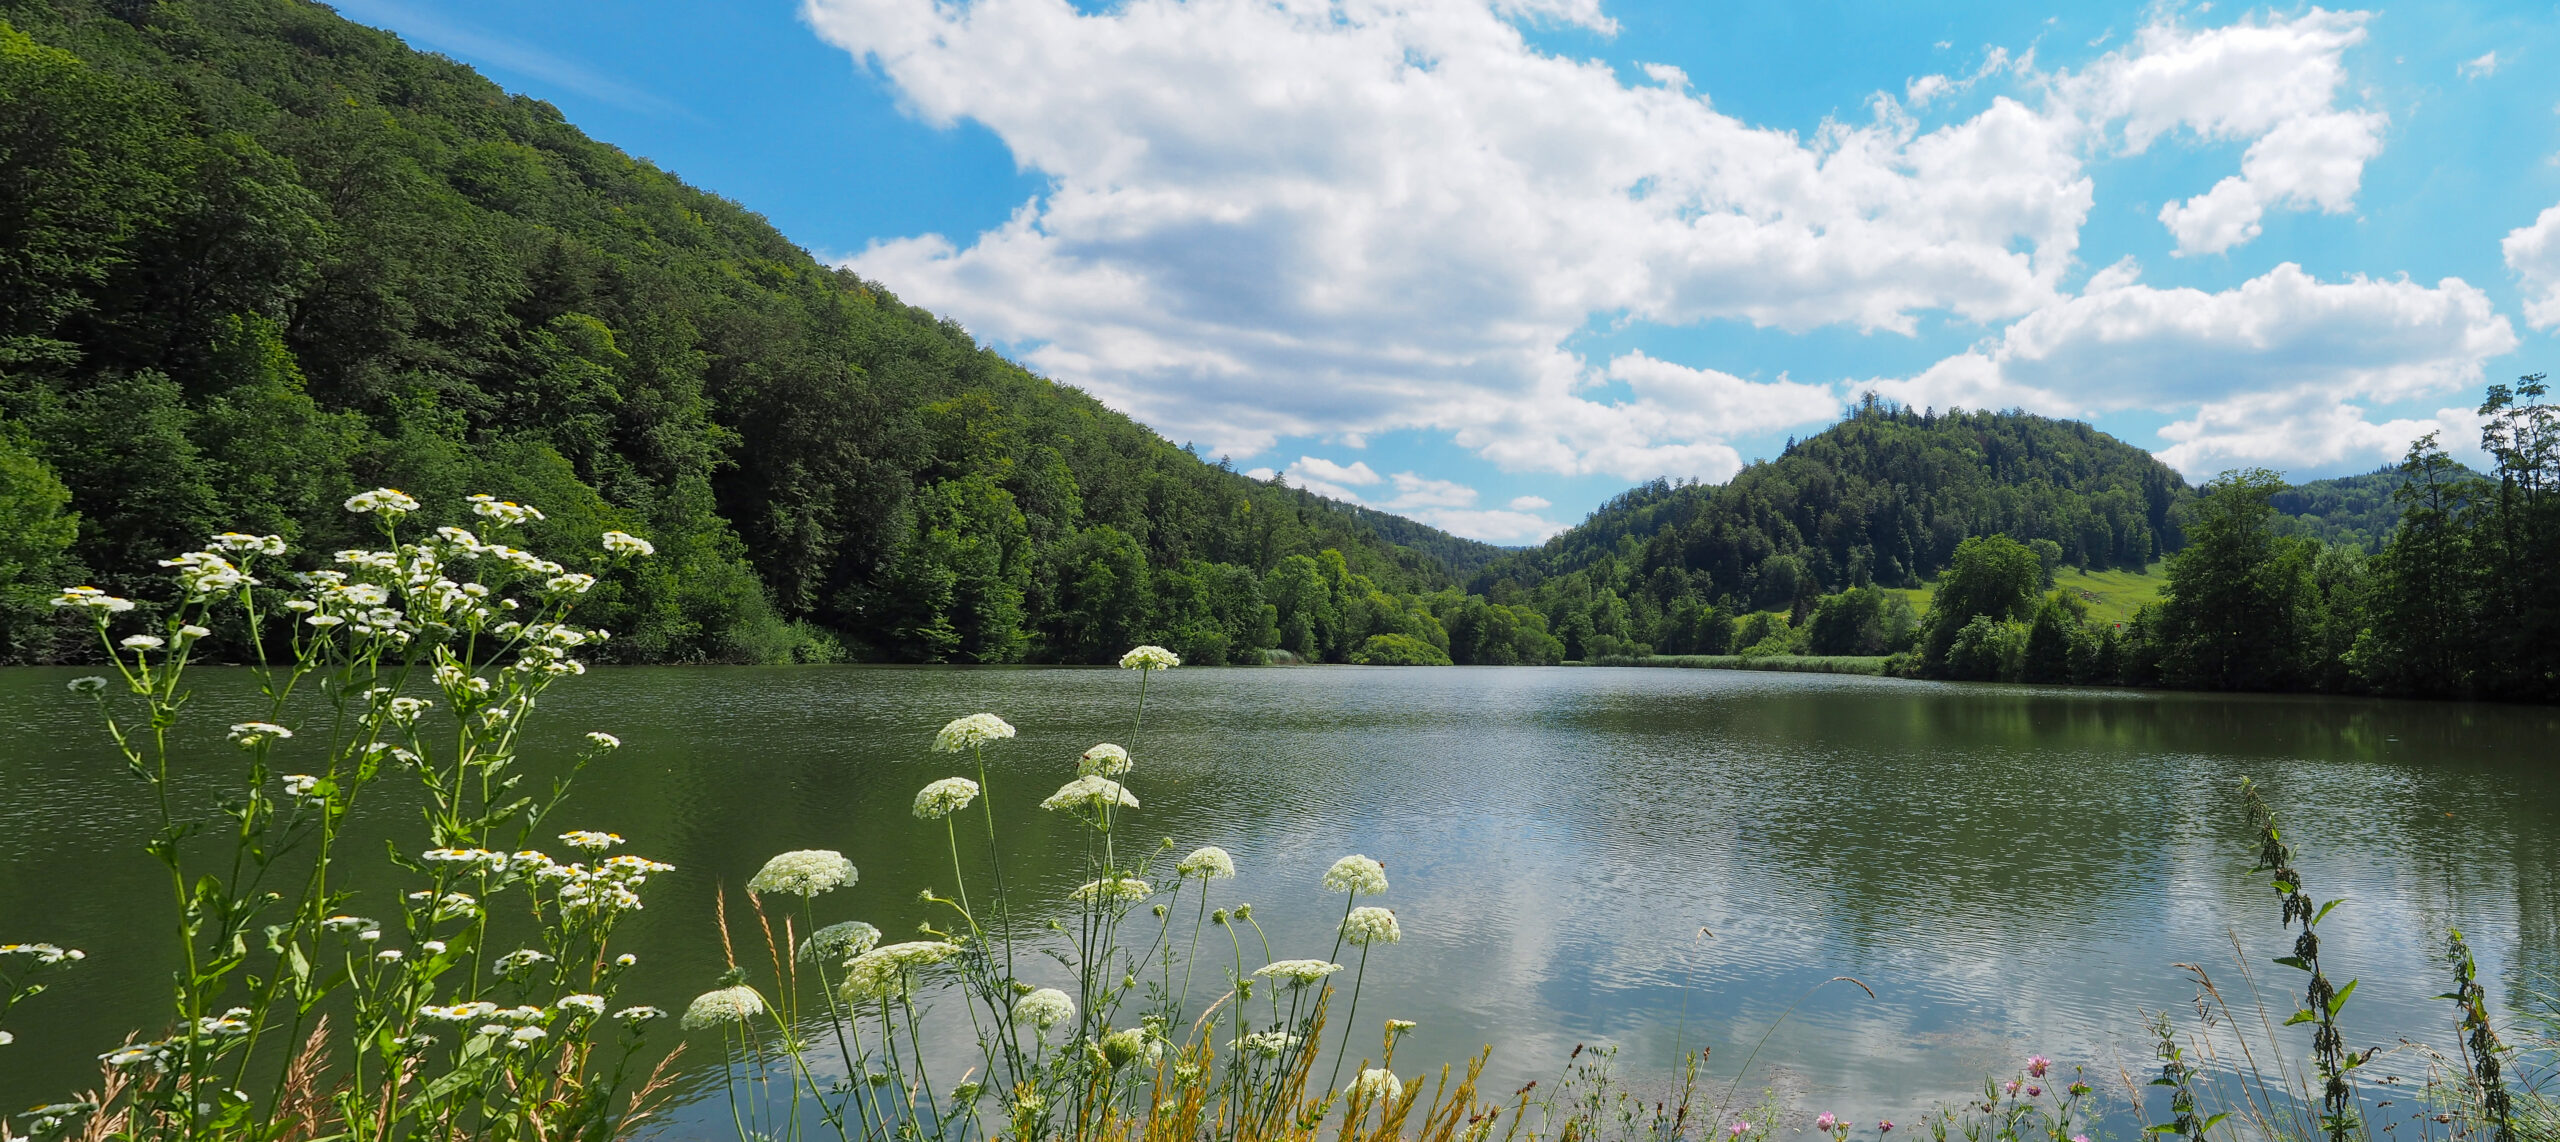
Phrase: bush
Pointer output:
(1398, 650)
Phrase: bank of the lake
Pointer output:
(2012, 869)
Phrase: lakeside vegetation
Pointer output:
(296, 1016)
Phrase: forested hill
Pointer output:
(2359, 511)
(1883, 497)
(254, 256)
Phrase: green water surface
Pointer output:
(2012, 870)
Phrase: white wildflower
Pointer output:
(574, 583)
(1366, 926)
(459, 1012)
(44, 954)
(1044, 1009)
(624, 543)
(89, 685)
(191, 632)
(805, 872)
(300, 784)
(1375, 1085)
(389, 955)
(837, 943)
(1268, 1044)
(523, 1038)
(1090, 791)
(1105, 760)
(520, 959)
(1114, 890)
(945, 797)
(971, 732)
(1208, 862)
(242, 544)
(590, 840)
(641, 1014)
(93, 599)
(727, 1005)
(253, 734)
(382, 502)
(503, 511)
(143, 642)
(1357, 875)
(884, 972)
(603, 740)
(1297, 973)
(590, 1004)
(1149, 658)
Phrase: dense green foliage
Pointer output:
(1885, 498)
(2359, 511)
(254, 257)
(2462, 598)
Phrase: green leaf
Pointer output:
(2295, 962)
(2303, 1016)
(2324, 911)
(2340, 1000)
(2210, 1123)
(300, 963)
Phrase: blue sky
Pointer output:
(1488, 264)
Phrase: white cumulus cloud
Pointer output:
(1324, 219)
(2270, 365)
(1444, 504)
(2533, 253)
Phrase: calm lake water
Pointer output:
(2013, 870)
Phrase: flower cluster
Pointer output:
(386, 502)
(837, 943)
(1044, 1008)
(45, 955)
(1090, 791)
(885, 972)
(1150, 658)
(971, 732)
(1114, 890)
(1297, 973)
(1104, 760)
(1208, 862)
(1357, 875)
(945, 797)
(804, 873)
(1366, 926)
(624, 543)
(1376, 1085)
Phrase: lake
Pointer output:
(2011, 869)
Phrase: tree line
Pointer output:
(2462, 599)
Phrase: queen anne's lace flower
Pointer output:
(385, 502)
(1366, 926)
(641, 1014)
(837, 943)
(1297, 973)
(1114, 890)
(1090, 790)
(1268, 1044)
(806, 872)
(1357, 875)
(1150, 658)
(1106, 760)
(624, 543)
(1208, 862)
(1375, 1085)
(945, 797)
(727, 1005)
(1128, 1045)
(603, 740)
(971, 732)
(883, 973)
(1044, 1009)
